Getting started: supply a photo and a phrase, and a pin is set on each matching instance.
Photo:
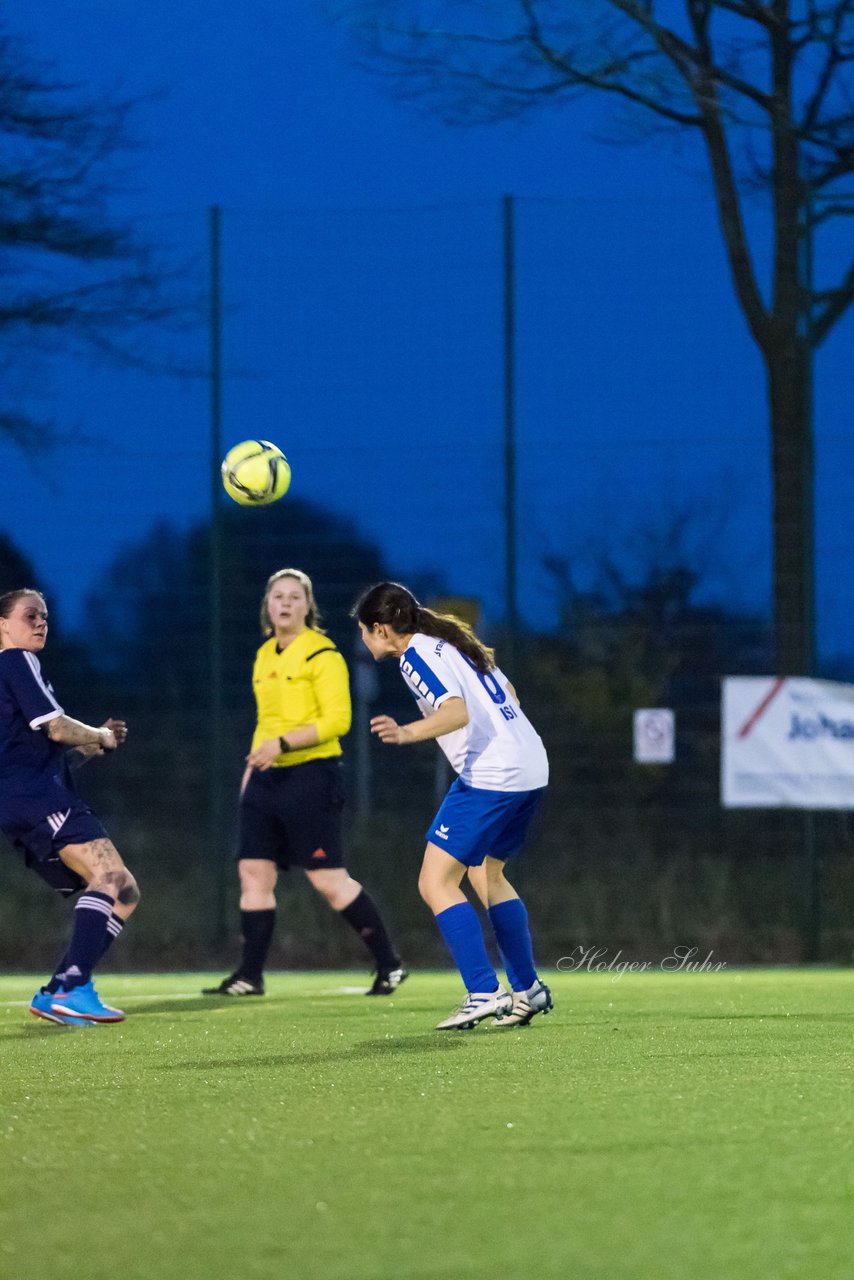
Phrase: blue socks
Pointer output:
(510, 922)
(460, 927)
(463, 936)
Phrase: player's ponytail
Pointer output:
(392, 605)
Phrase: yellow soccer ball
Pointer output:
(255, 473)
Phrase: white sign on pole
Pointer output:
(787, 743)
(655, 735)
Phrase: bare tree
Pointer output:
(71, 270)
(768, 89)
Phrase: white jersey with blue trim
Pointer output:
(499, 749)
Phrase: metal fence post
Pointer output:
(216, 849)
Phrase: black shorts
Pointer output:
(292, 815)
(39, 845)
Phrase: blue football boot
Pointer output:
(84, 1002)
(41, 1007)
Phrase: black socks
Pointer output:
(363, 916)
(257, 927)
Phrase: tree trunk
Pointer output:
(789, 369)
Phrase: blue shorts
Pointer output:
(39, 845)
(473, 824)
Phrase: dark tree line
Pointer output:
(626, 854)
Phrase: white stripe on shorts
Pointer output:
(56, 820)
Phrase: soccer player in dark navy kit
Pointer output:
(292, 795)
(44, 817)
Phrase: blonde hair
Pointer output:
(312, 618)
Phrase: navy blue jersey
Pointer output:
(34, 776)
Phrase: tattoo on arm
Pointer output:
(72, 732)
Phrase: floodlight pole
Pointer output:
(509, 316)
(215, 732)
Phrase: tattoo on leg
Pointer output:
(99, 862)
(105, 855)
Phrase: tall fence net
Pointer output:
(373, 346)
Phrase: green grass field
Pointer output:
(655, 1127)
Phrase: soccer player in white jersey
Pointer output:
(471, 709)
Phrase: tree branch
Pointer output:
(29, 434)
(839, 301)
(86, 277)
(825, 79)
(698, 72)
(753, 12)
(693, 62)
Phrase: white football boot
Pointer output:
(526, 1004)
(477, 1006)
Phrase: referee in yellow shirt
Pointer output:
(292, 794)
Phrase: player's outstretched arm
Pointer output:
(74, 733)
(453, 714)
(78, 756)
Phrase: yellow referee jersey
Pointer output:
(306, 683)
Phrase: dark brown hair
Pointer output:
(392, 605)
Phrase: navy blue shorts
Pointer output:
(39, 845)
(292, 815)
(473, 823)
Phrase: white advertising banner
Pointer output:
(787, 744)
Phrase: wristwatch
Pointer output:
(284, 745)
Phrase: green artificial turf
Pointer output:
(656, 1127)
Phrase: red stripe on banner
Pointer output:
(761, 709)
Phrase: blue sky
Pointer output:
(362, 279)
